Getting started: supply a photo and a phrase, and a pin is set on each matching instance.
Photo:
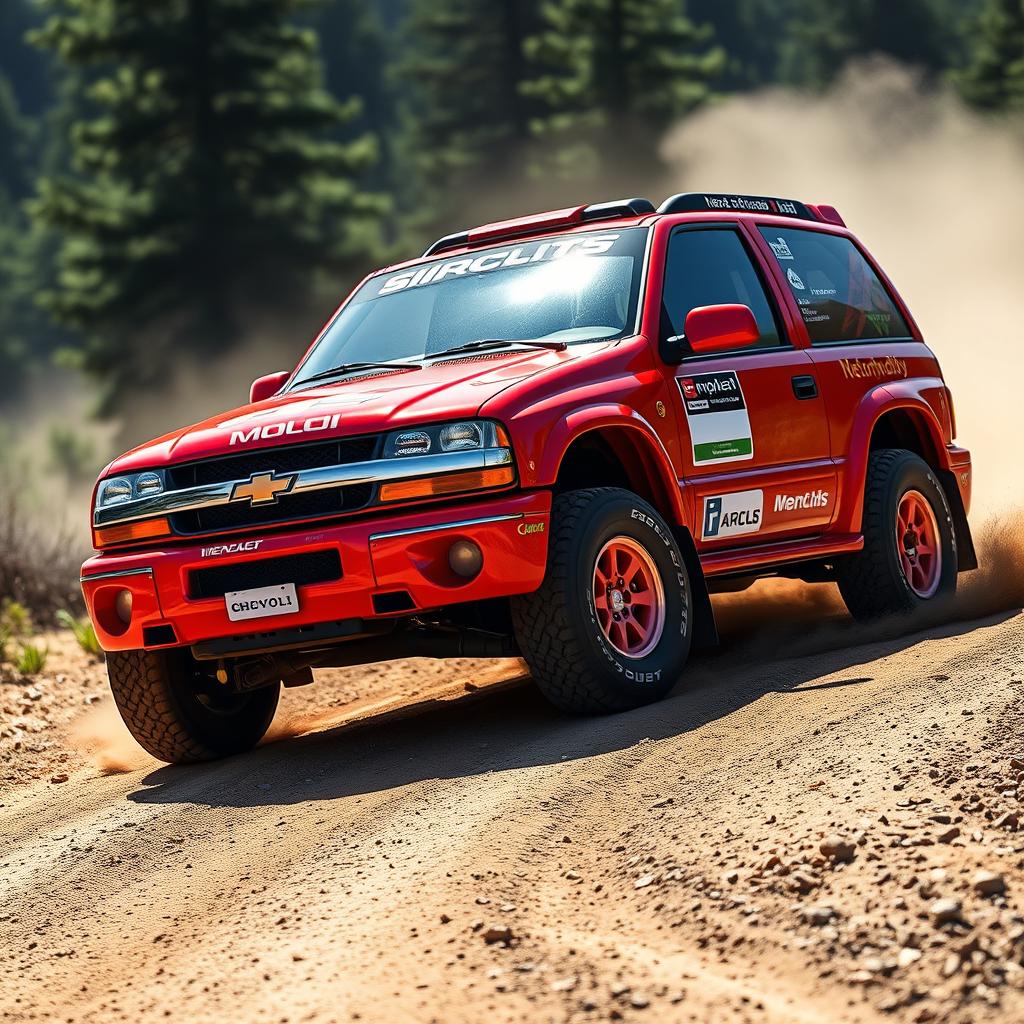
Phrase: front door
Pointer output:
(756, 445)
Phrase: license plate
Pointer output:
(261, 602)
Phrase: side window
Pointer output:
(707, 268)
(840, 297)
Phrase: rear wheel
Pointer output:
(610, 627)
(179, 713)
(909, 557)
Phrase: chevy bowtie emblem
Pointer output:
(263, 488)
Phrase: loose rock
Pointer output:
(988, 883)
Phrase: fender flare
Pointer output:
(647, 444)
(904, 396)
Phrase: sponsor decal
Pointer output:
(288, 428)
(730, 515)
(752, 204)
(877, 369)
(231, 549)
(499, 259)
(781, 248)
(525, 529)
(809, 499)
(794, 279)
(823, 291)
(716, 414)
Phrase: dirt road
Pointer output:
(485, 859)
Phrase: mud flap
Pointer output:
(966, 557)
(705, 630)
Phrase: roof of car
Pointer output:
(632, 209)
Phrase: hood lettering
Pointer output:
(311, 425)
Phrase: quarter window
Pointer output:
(841, 298)
(710, 267)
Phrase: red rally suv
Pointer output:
(551, 437)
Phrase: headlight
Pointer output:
(118, 489)
(452, 437)
(493, 467)
(114, 491)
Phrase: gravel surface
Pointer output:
(816, 826)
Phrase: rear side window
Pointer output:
(710, 267)
(840, 297)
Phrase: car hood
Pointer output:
(390, 400)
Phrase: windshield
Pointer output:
(568, 288)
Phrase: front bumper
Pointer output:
(399, 555)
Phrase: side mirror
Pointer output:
(268, 386)
(720, 328)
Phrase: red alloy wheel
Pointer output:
(919, 544)
(629, 597)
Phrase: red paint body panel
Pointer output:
(371, 564)
(808, 458)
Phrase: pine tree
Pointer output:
(750, 31)
(206, 181)
(26, 336)
(610, 71)
(823, 35)
(994, 78)
(25, 68)
(464, 113)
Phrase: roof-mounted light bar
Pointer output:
(539, 222)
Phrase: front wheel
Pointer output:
(179, 713)
(909, 557)
(610, 627)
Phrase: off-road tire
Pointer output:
(570, 658)
(872, 582)
(160, 697)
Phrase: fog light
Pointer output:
(123, 606)
(465, 558)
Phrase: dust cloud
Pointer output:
(105, 740)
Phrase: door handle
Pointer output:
(805, 386)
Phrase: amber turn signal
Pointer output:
(104, 536)
(451, 483)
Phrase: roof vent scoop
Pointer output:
(618, 208)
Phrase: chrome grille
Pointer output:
(289, 507)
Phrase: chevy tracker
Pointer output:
(552, 437)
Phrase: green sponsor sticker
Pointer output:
(735, 448)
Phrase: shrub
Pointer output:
(83, 632)
(15, 618)
(31, 660)
(39, 560)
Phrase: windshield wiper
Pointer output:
(474, 346)
(343, 368)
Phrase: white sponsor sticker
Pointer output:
(729, 515)
(716, 415)
(261, 602)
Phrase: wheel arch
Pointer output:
(607, 448)
(900, 416)
(632, 453)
